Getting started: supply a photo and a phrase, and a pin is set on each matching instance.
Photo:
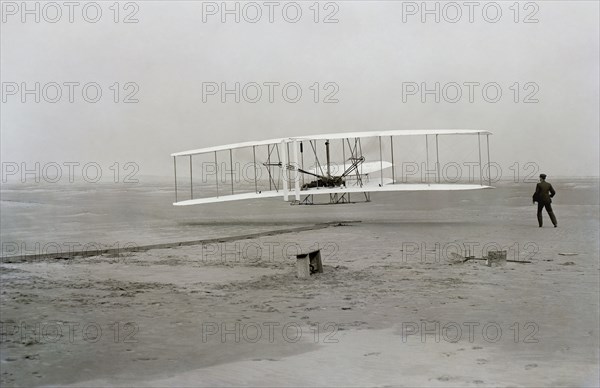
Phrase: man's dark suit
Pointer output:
(544, 193)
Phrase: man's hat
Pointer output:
(543, 176)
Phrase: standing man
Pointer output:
(543, 196)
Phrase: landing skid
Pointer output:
(334, 199)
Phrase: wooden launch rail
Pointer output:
(97, 252)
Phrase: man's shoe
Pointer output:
(556, 226)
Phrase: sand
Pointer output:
(381, 314)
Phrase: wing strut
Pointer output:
(296, 175)
(480, 167)
(487, 140)
(254, 157)
(437, 158)
(217, 174)
(392, 152)
(380, 161)
(328, 160)
(427, 159)
(175, 169)
(232, 171)
(191, 180)
(285, 170)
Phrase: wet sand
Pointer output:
(391, 309)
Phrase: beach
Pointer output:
(299, 194)
(393, 306)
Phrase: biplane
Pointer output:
(335, 166)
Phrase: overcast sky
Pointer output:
(369, 61)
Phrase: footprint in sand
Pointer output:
(482, 361)
(372, 354)
(476, 347)
(530, 366)
(445, 378)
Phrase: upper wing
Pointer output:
(331, 136)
